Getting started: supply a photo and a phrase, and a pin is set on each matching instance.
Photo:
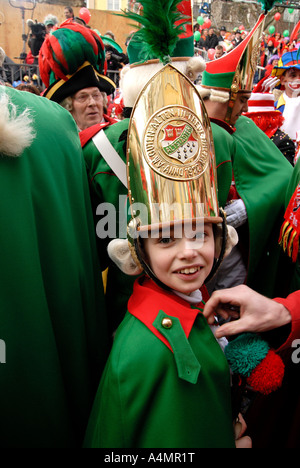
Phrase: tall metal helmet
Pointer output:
(170, 159)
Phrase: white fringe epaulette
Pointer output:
(16, 131)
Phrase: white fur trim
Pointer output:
(2, 56)
(119, 252)
(204, 92)
(214, 95)
(16, 131)
(133, 80)
(194, 66)
(232, 240)
(219, 96)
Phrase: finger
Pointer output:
(216, 301)
(232, 328)
(244, 443)
(211, 320)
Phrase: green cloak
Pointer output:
(52, 313)
(164, 386)
(107, 188)
(261, 175)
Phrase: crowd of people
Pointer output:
(120, 330)
(211, 39)
(115, 56)
(220, 42)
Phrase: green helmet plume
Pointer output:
(159, 32)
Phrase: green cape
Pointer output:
(106, 188)
(51, 296)
(153, 397)
(261, 175)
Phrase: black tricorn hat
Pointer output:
(85, 77)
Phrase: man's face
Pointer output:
(219, 53)
(240, 107)
(87, 107)
(67, 13)
(291, 82)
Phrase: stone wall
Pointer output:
(234, 14)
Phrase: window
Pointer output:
(114, 5)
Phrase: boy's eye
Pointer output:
(165, 240)
(199, 235)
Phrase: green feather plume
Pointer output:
(269, 4)
(158, 34)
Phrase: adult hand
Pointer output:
(256, 313)
(240, 427)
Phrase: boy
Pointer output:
(167, 382)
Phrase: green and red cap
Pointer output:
(72, 57)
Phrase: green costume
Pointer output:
(284, 429)
(261, 175)
(52, 306)
(163, 387)
(106, 187)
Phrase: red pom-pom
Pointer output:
(268, 375)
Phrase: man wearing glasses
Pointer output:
(87, 107)
(72, 67)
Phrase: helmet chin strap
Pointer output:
(218, 262)
(230, 107)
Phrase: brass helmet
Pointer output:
(170, 160)
(234, 72)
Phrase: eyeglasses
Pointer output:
(83, 98)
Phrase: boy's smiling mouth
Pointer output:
(189, 271)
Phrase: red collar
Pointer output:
(89, 133)
(148, 300)
(221, 123)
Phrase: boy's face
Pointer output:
(291, 81)
(182, 264)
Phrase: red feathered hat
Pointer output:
(72, 57)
